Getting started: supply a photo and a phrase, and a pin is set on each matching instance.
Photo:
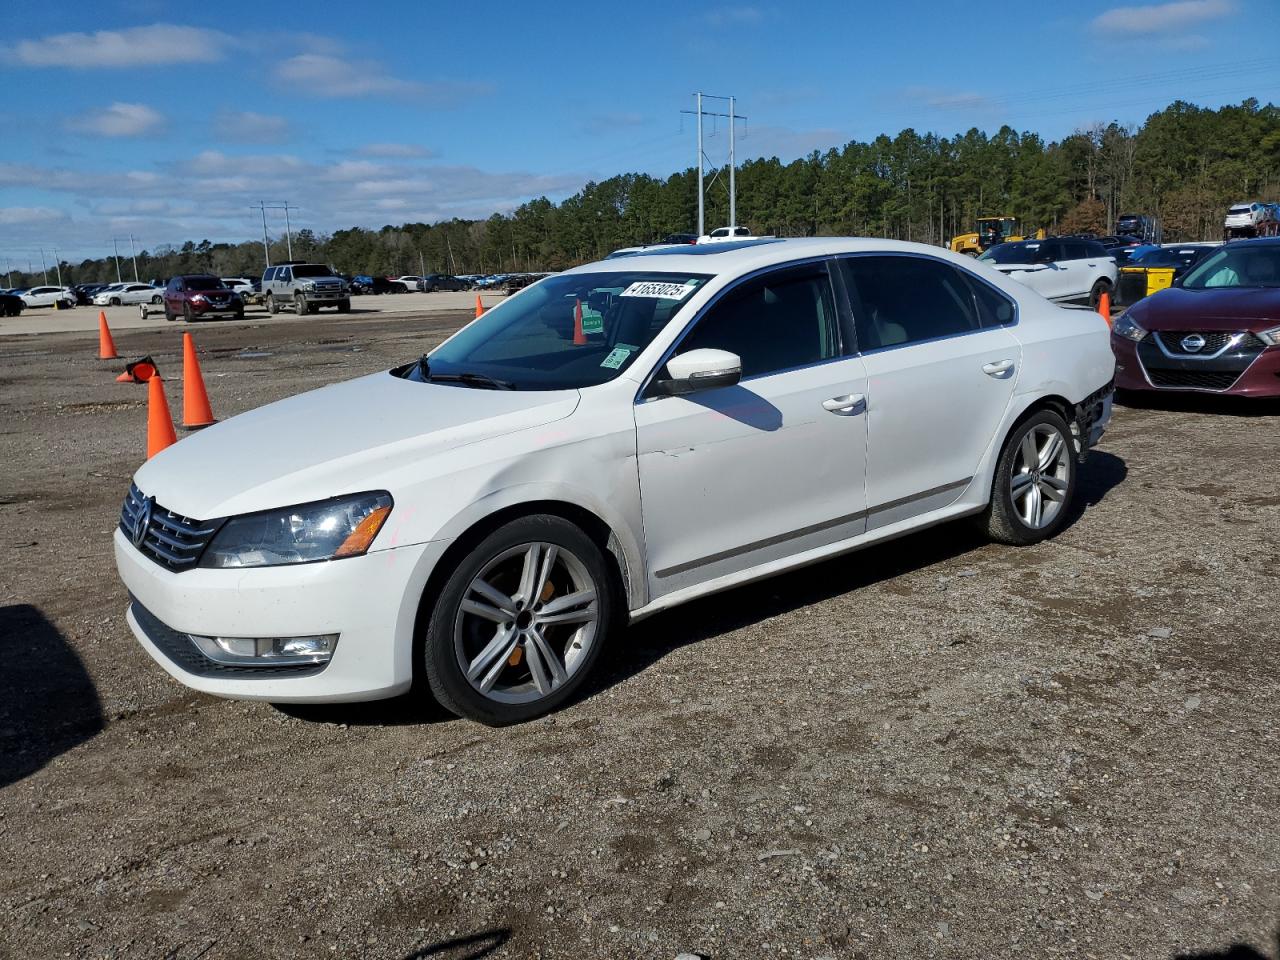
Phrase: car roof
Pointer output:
(741, 256)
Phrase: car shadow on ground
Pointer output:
(471, 947)
(1236, 951)
(416, 708)
(48, 704)
(652, 639)
(1201, 403)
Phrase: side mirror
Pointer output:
(702, 369)
(1176, 282)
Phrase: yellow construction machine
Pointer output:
(991, 230)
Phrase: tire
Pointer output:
(240, 314)
(187, 315)
(299, 305)
(114, 302)
(1006, 517)
(564, 653)
(156, 301)
(344, 306)
(271, 305)
(169, 315)
(1095, 293)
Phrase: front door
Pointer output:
(739, 476)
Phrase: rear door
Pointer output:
(941, 364)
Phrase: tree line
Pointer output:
(1186, 164)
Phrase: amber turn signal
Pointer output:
(358, 540)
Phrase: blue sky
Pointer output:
(167, 120)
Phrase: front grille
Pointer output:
(1193, 379)
(183, 652)
(1214, 341)
(168, 538)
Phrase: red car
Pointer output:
(1216, 330)
(200, 296)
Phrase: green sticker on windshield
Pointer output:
(592, 322)
(618, 356)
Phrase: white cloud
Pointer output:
(395, 150)
(245, 126)
(118, 120)
(160, 43)
(947, 99)
(733, 16)
(325, 75)
(1161, 18)
(19, 216)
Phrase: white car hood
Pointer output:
(339, 439)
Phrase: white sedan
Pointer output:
(608, 443)
(128, 293)
(48, 296)
(410, 284)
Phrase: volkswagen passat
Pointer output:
(610, 442)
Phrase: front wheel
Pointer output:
(1035, 482)
(1095, 293)
(299, 305)
(187, 315)
(115, 301)
(520, 622)
(344, 306)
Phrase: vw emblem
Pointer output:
(142, 521)
(1193, 343)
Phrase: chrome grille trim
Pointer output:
(171, 540)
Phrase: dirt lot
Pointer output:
(933, 748)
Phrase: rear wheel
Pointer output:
(271, 304)
(157, 300)
(1095, 294)
(1034, 483)
(520, 622)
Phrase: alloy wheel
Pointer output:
(526, 623)
(1040, 475)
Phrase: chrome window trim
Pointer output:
(844, 348)
(1017, 307)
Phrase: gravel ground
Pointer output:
(936, 747)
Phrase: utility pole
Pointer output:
(57, 265)
(731, 116)
(288, 232)
(134, 254)
(44, 266)
(115, 245)
(266, 247)
(263, 206)
(422, 269)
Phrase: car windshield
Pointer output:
(1021, 252)
(311, 270)
(1167, 257)
(568, 331)
(1241, 265)
(204, 283)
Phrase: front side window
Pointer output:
(902, 300)
(568, 331)
(1241, 265)
(776, 322)
(269, 275)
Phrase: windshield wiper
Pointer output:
(471, 380)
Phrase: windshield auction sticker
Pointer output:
(618, 356)
(654, 289)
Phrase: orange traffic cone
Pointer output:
(140, 371)
(479, 306)
(106, 346)
(160, 432)
(1104, 306)
(579, 338)
(196, 411)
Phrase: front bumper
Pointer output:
(1231, 375)
(324, 296)
(371, 602)
(217, 309)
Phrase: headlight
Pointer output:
(1270, 337)
(329, 530)
(1125, 326)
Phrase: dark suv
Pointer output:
(441, 281)
(198, 296)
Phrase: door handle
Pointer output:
(846, 405)
(997, 368)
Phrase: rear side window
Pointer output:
(902, 300)
(775, 322)
(994, 308)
